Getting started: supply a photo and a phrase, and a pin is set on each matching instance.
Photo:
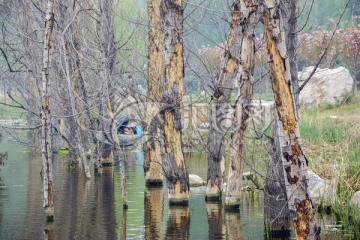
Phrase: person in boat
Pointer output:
(122, 121)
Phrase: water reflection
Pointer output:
(153, 205)
(233, 225)
(216, 227)
(92, 209)
(178, 224)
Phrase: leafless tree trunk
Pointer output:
(46, 141)
(295, 164)
(173, 158)
(276, 212)
(246, 16)
(220, 109)
(153, 160)
(110, 138)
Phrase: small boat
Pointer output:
(126, 140)
(128, 135)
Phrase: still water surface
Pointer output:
(92, 209)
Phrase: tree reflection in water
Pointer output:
(153, 205)
(178, 224)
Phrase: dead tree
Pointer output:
(221, 107)
(174, 166)
(246, 16)
(109, 138)
(295, 164)
(276, 212)
(153, 160)
(46, 138)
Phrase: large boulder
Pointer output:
(326, 87)
(196, 181)
(322, 191)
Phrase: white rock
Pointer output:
(321, 191)
(355, 200)
(196, 181)
(327, 86)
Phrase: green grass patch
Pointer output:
(64, 151)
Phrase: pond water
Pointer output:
(92, 209)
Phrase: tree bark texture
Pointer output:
(295, 164)
(276, 211)
(47, 165)
(153, 160)
(290, 13)
(245, 15)
(174, 166)
(108, 53)
(220, 109)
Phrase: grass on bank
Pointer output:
(331, 137)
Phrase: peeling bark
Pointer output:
(247, 17)
(46, 139)
(153, 160)
(173, 158)
(294, 161)
(221, 105)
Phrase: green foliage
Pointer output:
(64, 151)
(332, 143)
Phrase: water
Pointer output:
(92, 209)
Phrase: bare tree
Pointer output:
(46, 138)
(294, 161)
(245, 18)
(153, 160)
(173, 158)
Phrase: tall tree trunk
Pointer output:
(47, 165)
(246, 16)
(295, 164)
(108, 53)
(276, 212)
(153, 160)
(173, 158)
(221, 108)
(77, 124)
(110, 137)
